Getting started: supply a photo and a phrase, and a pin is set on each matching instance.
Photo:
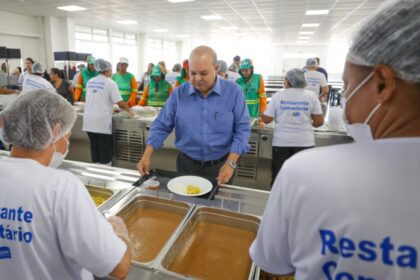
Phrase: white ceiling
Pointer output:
(279, 20)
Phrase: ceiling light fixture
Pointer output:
(180, 1)
(127, 22)
(303, 38)
(212, 17)
(306, 32)
(71, 8)
(317, 12)
(160, 30)
(182, 35)
(310, 25)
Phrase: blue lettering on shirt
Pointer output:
(5, 253)
(389, 254)
(16, 233)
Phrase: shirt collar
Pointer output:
(215, 89)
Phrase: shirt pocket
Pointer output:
(222, 122)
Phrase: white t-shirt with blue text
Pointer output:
(315, 81)
(101, 95)
(345, 212)
(49, 226)
(35, 82)
(292, 110)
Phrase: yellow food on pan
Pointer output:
(98, 200)
(191, 189)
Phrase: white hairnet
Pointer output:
(36, 119)
(222, 66)
(311, 62)
(38, 68)
(296, 78)
(391, 36)
(101, 65)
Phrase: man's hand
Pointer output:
(144, 165)
(225, 174)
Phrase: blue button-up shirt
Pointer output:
(206, 128)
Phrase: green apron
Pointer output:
(124, 84)
(251, 89)
(86, 76)
(158, 98)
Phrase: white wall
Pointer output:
(25, 33)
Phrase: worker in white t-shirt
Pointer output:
(315, 80)
(35, 80)
(296, 111)
(101, 94)
(351, 211)
(28, 70)
(49, 226)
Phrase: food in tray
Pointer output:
(192, 189)
(98, 200)
(215, 251)
(149, 230)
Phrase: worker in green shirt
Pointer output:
(83, 78)
(126, 83)
(253, 86)
(158, 90)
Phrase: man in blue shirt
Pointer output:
(210, 118)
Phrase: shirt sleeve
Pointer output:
(115, 93)
(164, 123)
(144, 97)
(316, 105)
(79, 87)
(271, 107)
(270, 250)
(241, 124)
(262, 96)
(85, 236)
(323, 80)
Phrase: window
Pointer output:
(92, 40)
(125, 45)
(158, 50)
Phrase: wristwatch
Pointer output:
(232, 163)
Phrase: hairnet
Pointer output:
(222, 66)
(296, 78)
(177, 67)
(233, 68)
(101, 65)
(391, 36)
(36, 119)
(311, 62)
(38, 68)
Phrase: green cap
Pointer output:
(245, 64)
(156, 71)
(90, 60)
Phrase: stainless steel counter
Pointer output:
(254, 168)
(232, 198)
